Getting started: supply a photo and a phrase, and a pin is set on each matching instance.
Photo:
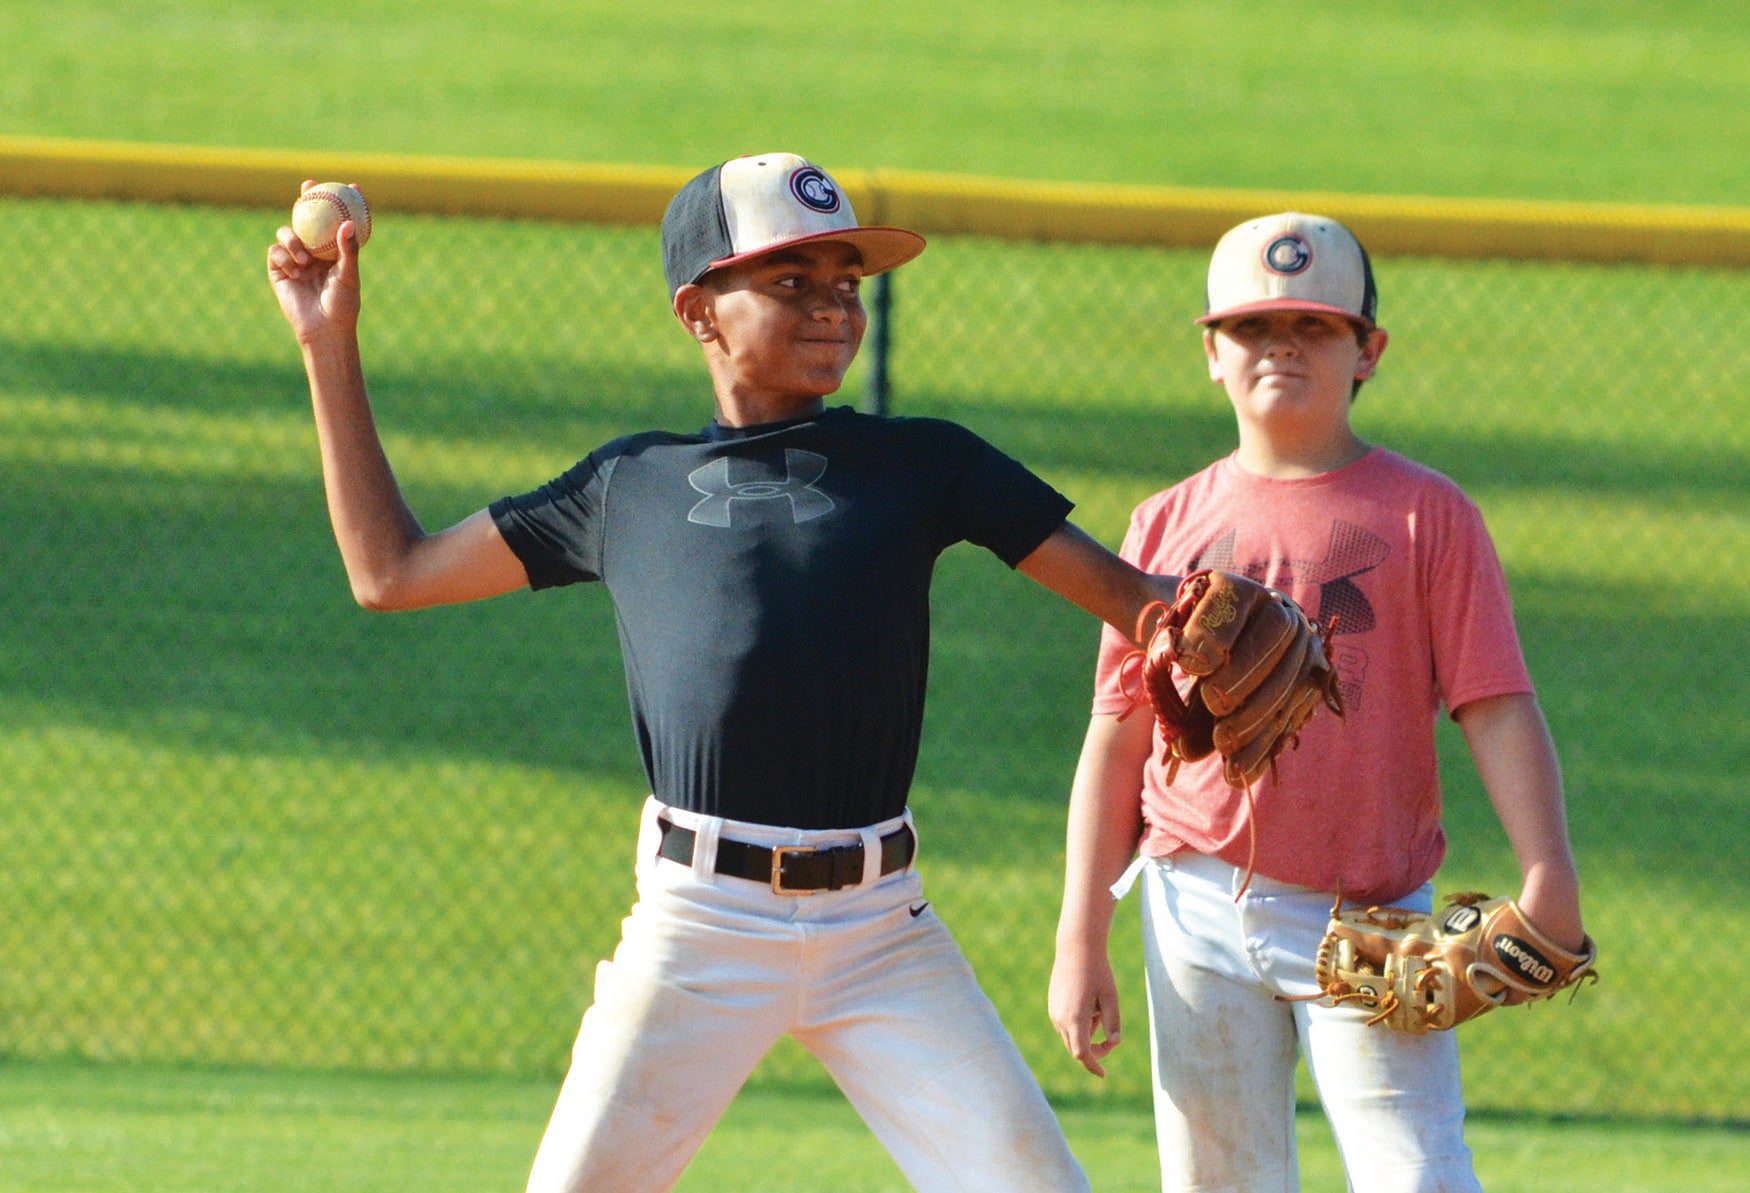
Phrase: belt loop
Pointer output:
(871, 856)
(707, 833)
(917, 842)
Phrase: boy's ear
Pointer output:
(1214, 360)
(1370, 354)
(694, 308)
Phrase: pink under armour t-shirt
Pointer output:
(1396, 558)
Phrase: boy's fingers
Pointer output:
(346, 243)
(1111, 1020)
(1079, 1042)
(287, 241)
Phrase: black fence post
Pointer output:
(877, 393)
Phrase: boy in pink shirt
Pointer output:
(1394, 561)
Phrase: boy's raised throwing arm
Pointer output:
(391, 562)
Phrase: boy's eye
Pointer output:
(1306, 327)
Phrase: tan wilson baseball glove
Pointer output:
(1420, 973)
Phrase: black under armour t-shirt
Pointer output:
(771, 586)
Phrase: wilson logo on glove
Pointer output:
(1524, 960)
(1461, 919)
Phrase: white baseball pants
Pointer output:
(711, 970)
(1225, 1046)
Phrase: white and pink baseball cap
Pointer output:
(754, 205)
(1291, 261)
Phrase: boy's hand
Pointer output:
(318, 298)
(1551, 900)
(1083, 1001)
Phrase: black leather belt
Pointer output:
(792, 869)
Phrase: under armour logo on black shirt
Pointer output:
(803, 468)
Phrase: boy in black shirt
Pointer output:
(771, 580)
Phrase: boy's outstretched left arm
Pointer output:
(1079, 568)
(1510, 743)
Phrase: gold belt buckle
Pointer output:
(779, 853)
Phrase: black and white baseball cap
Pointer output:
(753, 205)
(1291, 261)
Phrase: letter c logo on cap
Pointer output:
(1287, 254)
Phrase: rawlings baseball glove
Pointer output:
(1257, 668)
(1421, 973)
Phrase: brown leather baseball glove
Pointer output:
(1256, 666)
(1421, 973)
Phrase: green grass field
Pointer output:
(110, 1130)
(201, 742)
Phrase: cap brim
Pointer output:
(1284, 304)
(882, 248)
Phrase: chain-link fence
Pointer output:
(243, 822)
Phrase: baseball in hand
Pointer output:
(319, 212)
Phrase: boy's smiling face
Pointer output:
(780, 330)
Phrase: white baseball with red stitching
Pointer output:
(319, 212)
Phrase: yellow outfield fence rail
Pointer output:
(1178, 217)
